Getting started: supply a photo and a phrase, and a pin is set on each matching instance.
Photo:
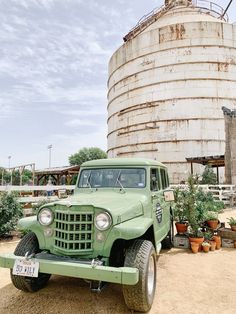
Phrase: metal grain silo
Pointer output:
(168, 82)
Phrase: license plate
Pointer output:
(27, 268)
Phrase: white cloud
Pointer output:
(5, 111)
(76, 123)
(53, 72)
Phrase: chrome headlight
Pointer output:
(45, 217)
(103, 221)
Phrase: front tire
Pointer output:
(29, 243)
(142, 255)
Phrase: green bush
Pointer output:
(208, 176)
(10, 212)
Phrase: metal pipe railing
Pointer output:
(203, 5)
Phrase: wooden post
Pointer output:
(191, 168)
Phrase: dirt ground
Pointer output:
(187, 284)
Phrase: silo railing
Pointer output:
(204, 6)
(212, 8)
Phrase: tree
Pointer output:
(86, 154)
(208, 176)
(27, 176)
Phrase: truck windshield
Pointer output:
(119, 177)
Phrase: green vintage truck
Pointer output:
(110, 230)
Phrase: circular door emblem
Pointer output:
(159, 213)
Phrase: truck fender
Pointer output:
(27, 223)
(128, 230)
(31, 224)
(133, 228)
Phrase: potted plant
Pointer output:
(192, 205)
(208, 236)
(206, 246)
(212, 219)
(213, 245)
(193, 215)
(194, 247)
(179, 211)
(217, 239)
(232, 223)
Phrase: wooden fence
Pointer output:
(222, 192)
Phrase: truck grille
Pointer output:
(73, 232)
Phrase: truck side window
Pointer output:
(164, 179)
(155, 180)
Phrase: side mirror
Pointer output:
(169, 195)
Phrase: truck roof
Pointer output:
(122, 162)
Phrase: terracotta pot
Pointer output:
(212, 224)
(206, 248)
(194, 247)
(213, 245)
(233, 227)
(217, 239)
(181, 227)
(197, 240)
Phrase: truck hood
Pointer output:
(121, 206)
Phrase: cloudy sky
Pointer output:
(53, 71)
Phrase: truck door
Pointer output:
(161, 211)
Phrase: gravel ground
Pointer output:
(187, 284)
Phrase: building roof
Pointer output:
(57, 170)
(213, 161)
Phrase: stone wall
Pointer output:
(230, 145)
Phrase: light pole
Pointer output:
(2, 175)
(50, 155)
(9, 162)
(9, 167)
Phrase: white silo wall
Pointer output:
(166, 89)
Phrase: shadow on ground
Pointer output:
(63, 295)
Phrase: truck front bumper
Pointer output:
(89, 271)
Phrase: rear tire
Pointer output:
(142, 255)
(29, 243)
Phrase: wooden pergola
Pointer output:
(212, 161)
(58, 175)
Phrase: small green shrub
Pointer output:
(211, 216)
(180, 206)
(10, 212)
(208, 176)
(232, 221)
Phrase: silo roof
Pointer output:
(163, 16)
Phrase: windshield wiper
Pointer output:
(88, 182)
(118, 180)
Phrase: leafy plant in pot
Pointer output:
(232, 223)
(195, 217)
(179, 211)
(208, 237)
(212, 219)
(206, 246)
